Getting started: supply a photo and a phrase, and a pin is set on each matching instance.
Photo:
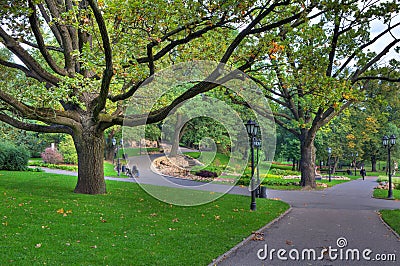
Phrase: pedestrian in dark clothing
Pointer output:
(363, 172)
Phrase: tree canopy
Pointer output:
(77, 63)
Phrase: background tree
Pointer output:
(318, 68)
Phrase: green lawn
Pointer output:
(135, 151)
(382, 193)
(392, 218)
(44, 222)
(109, 168)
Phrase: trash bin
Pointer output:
(123, 169)
(263, 193)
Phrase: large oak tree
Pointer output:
(84, 59)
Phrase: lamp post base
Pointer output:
(253, 206)
(390, 195)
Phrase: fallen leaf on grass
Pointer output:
(217, 217)
(175, 220)
(38, 245)
(93, 246)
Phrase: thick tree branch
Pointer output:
(27, 72)
(26, 58)
(52, 26)
(45, 115)
(283, 21)
(248, 30)
(34, 127)
(100, 101)
(333, 47)
(33, 20)
(175, 43)
(65, 37)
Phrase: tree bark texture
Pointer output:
(90, 148)
(307, 162)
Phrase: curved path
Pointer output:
(317, 219)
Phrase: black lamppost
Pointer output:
(114, 142)
(252, 129)
(389, 142)
(355, 155)
(329, 163)
(257, 144)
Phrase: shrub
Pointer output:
(67, 149)
(13, 158)
(205, 173)
(52, 156)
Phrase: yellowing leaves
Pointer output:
(64, 212)
(350, 137)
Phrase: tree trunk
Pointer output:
(307, 161)
(175, 141)
(109, 148)
(373, 163)
(89, 145)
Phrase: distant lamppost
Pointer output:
(355, 155)
(389, 142)
(329, 163)
(257, 144)
(252, 129)
(114, 142)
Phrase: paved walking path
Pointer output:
(317, 220)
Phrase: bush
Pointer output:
(67, 149)
(13, 158)
(52, 156)
(205, 173)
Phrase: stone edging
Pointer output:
(388, 226)
(249, 238)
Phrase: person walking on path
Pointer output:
(363, 172)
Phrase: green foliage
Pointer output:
(40, 212)
(68, 151)
(282, 172)
(383, 193)
(73, 168)
(395, 180)
(13, 158)
(35, 143)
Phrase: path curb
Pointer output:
(388, 226)
(249, 238)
